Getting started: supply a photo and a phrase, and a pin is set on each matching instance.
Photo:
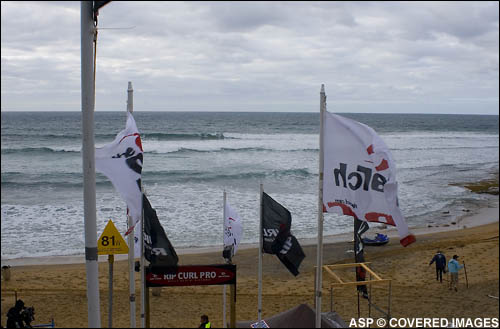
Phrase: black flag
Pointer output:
(157, 248)
(276, 224)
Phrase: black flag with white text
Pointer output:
(278, 240)
(157, 248)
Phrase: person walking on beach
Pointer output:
(440, 261)
(453, 268)
(204, 322)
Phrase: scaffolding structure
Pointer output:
(373, 278)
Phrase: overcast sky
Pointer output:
(398, 57)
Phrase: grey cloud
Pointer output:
(255, 55)
(245, 16)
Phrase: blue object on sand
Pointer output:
(379, 240)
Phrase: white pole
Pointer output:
(224, 286)
(224, 325)
(130, 98)
(88, 162)
(143, 274)
(131, 265)
(261, 241)
(319, 247)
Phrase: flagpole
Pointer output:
(143, 275)
(88, 160)
(319, 247)
(261, 241)
(131, 257)
(224, 286)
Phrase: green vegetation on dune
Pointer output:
(489, 186)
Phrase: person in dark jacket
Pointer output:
(440, 261)
(14, 317)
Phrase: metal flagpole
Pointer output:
(111, 259)
(224, 286)
(224, 325)
(319, 247)
(130, 97)
(88, 158)
(131, 267)
(232, 319)
(143, 274)
(261, 241)
(131, 256)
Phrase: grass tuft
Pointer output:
(489, 186)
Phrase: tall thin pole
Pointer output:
(319, 247)
(261, 241)
(131, 267)
(232, 319)
(389, 301)
(143, 274)
(224, 318)
(466, 279)
(111, 259)
(224, 286)
(130, 98)
(148, 308)
(88, 162)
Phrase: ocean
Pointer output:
(191, 158)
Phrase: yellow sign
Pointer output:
(111, 241)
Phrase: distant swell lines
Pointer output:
(110, 137)
(69, 180)
(42, 150)
(37, 150)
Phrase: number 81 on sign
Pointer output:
(111, 241)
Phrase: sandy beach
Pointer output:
(59, 290)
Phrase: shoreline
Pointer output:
(483, 216)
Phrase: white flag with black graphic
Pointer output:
(233, 228)
(121, 162)
(360, 175)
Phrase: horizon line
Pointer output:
(194, 111)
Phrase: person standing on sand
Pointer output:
(440, 261)
(454, 267)
(204, 322)
(14, 318)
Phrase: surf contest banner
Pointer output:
(121, 161)
(191, 275)
(277, 238)
(360, 175)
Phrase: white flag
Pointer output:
(360, 175)
(233, 229)
(121, 162)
